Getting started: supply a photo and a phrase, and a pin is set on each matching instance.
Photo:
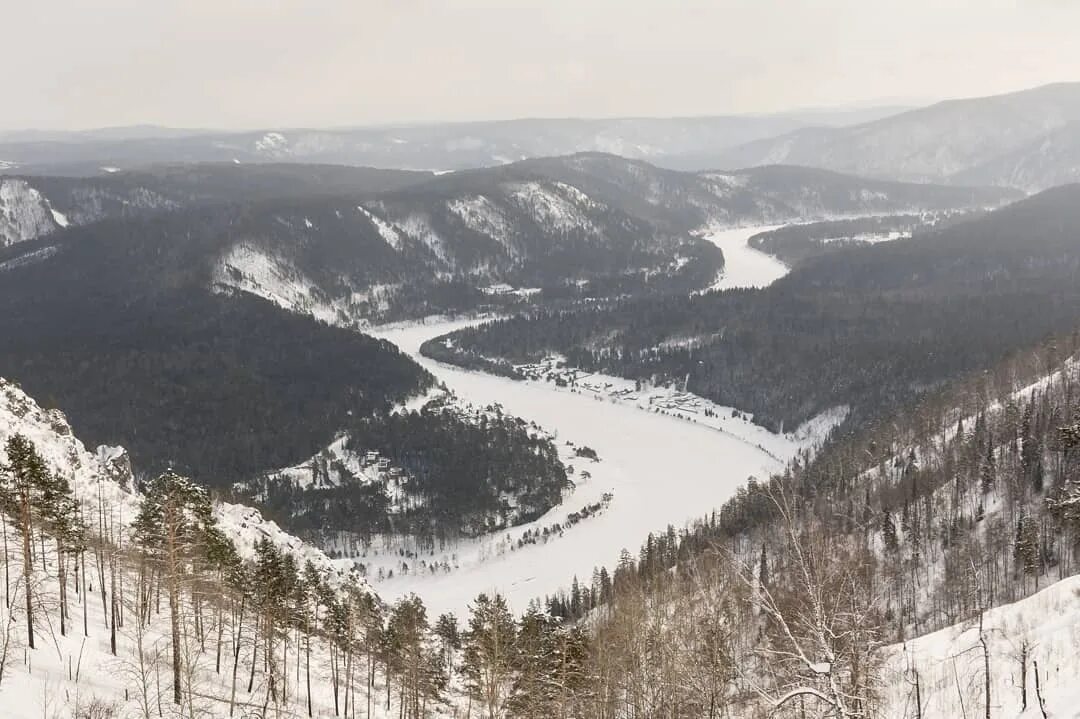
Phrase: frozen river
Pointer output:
(660, 469)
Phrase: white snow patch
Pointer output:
(59, 217)
(419, 228)
(254, 271)
(387, 231)
(482, 215)
(552, 206)
(272, 144)
(24, 212)
(950, 662)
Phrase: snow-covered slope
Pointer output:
(1042, 630)
(1004, 138)
(1049, 160)
(79, 674)
(24, 213)
(104, 477)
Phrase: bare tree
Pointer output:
(822, 620)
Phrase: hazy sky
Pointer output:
(266, 63)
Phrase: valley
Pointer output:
(659, 469)
(540, 360)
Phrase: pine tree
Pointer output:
(988, 471)
(172, 526)
(605, 585)
(888, 533)
(1027, 546)
(532, 694)
(489, 652)
(446, 629)
(406, 630)
(30, 493)
(63, 520)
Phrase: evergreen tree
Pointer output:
(988, 470)
(490, 645)
(532, 695)
(888, 532)
(1027, 546)
(172, 527)
(26, 483)
(406, 631)
(446, 629)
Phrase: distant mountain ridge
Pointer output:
(1027, 139)
(440, 146)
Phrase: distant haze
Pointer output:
(292, 63)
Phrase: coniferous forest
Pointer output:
(870, 327)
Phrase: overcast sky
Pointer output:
(267, 63)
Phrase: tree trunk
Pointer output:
(307, 672)
(27, 565)
(238, 636)
(172, 570)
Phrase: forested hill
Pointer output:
(121, 329)
(867, 326)
(939, 517)
(350, 245)
(35, 206)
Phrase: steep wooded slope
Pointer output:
(865, 326)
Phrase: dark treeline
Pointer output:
(454, 474)
(870, 327)
(797, 243)
(119, 329)
(222, 387)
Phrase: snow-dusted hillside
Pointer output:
(1041, 631)
(1025, 139)
(104, 478)
(586, 225)
(1049, 160)
(24, 213)
(34, 206)
(81, 674)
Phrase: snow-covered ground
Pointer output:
(659, 468)
(951, 669)
(743, 265)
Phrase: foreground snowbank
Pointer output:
(950, 662)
